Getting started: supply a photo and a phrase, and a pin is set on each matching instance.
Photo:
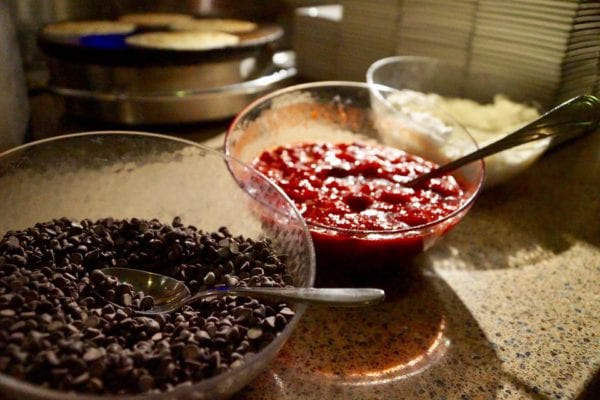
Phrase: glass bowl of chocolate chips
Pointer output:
(79, 203)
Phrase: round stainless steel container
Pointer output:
(179, 106)
(101, 77)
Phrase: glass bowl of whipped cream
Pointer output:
(489, 107)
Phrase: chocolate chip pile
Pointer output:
(56, 331)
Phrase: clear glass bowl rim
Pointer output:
(369, 86)
(25, 388)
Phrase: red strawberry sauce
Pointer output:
(357, 186)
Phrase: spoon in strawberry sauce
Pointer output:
(566, 121)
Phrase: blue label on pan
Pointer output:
(110, 41)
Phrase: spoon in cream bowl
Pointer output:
(566, 121)
(166, 294)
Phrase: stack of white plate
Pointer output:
(436, 28)
(546, 50)
(539, 45)
(580, 70)
(368, 33)
(316, 40)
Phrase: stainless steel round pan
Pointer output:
(185, 106)
(112, 50)
(111, 65)
(155, 78)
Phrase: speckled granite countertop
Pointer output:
(507, 306)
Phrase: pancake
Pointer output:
(215, 24)
(156, 19)
(91, 27)
(183, 40)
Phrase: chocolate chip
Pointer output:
(270, 321)
(122, 289)
(126, 299)
(146, 383)
(96, 277)
(280, 320)
(243, 314)
(152, 326)
(191, 352)
(76, 258)
(95, 385)
(19, 260)
(52, 358)
(57, 330)
(84, 377)
(147, 303)
(254, 333)
(12, 243)
(287, 312)
(92, 354)
(7, 312)
(18, 326)
(209, 279)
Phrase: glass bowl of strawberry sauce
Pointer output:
(338, 158)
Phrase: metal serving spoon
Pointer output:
(170, 294)
(576, 116)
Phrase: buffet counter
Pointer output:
(507, 306)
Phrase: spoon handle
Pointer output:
(567, 120)
(340, 297)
